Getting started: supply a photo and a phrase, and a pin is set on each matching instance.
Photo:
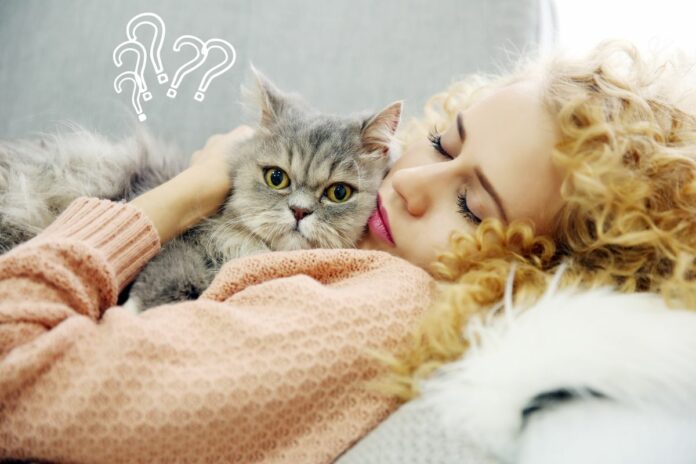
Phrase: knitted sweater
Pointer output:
(268, 365)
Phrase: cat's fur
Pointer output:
(39, 179)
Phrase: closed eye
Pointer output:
(465, 211)
(436, 141)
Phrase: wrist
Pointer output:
(183, 201)
(207, 191)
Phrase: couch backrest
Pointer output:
(343, 56)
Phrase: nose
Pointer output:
(300, 212)
(418, 186)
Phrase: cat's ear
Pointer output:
(378, 130)
(271, 100)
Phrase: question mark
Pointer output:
(137, 47)
(218, 69)
(156, 22)
(190, 65)
(135, 96)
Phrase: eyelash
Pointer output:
(466, 212)
(435, 141)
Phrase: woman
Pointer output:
(269, 364)
(587, 377)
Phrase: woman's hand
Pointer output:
(197, 192)
(212, 157)
(210, 168)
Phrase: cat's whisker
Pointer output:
(274, 231)
(243, 246)
(220, 229)
(343, 239)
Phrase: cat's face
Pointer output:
(307, 180)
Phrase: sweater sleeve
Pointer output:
(76, 267)
(269, 365)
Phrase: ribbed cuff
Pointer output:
(122, 232)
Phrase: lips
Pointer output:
(379, 223)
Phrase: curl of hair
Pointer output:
(628, 151)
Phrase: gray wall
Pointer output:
(342, 55)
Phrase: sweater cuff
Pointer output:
(122, 232)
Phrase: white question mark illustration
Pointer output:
(151, 19)
(220, 68)
(137, 91)
(190, 65)
(137, 76)
(137, 47)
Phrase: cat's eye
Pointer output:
(276, 178)
(339, 192)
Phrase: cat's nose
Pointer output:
(300, 212)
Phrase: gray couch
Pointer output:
(342, 55)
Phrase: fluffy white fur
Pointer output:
(630, 347)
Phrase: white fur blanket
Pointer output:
(580, 377)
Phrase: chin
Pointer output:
(292, 240)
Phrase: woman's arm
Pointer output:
(172, 208)
(112, 241)
(196, 193)
(266, 366)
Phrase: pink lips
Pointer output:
(379, 223)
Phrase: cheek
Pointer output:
(423, 241)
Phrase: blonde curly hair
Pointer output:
(628, 150)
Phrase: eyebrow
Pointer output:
(491, 191)
(482, 179)
(460, 127)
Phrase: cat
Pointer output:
(303, 180)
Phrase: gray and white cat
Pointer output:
(303, 180)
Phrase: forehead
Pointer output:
(313, 141)
(512, 136)
(317, 132)
(313, 149)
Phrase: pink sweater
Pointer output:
(266, 366)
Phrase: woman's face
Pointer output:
(495, 161)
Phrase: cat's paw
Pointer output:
(134, 304)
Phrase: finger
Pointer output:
(213, 139)
(242, 131)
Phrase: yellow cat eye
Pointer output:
(276, 178)
(339, 192)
